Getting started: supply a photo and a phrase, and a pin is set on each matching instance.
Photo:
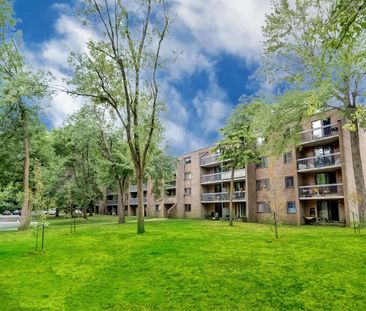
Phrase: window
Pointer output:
(263, 162)
(263, 207)
(187, 191)
(239, 186)
(187, 176)
(157, 208)
(187, 160)
(263, 184)
(291, 208)
(289, 181)
(287, 157)
(187, 207)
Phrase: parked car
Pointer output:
(52, 211)
(77, 213)
(6, 212)
(17, 212)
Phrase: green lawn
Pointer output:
(183, 265)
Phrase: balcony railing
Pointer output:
(321, 161)
(133, 188)
(210, 159)
(134, 201)
(170, 184)
(222, 196)
(210, 178)
(321, 191)
(112, 202)
(319, 133)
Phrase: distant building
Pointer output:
(310, 184)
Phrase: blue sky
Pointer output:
(219, 42)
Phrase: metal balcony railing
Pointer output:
(321, 191)
(134, 201)
(321, 161)
(319, 133)
(112, 202)
(170, 184)
(133, 188)
(214, 158)
(222, 196)
(209, 178)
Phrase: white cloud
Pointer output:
(203, 30)
(212, 106)
(180, 138)
(224, 26)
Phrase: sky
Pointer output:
(219, 45)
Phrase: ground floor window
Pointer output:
(157, 208)
(263, 207)
(291, 207)
(187, 207)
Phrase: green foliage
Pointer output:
(238, 143)
(161, 169)
(75, 144)
(198, 265)
(300, 39)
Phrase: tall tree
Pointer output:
(77, 144)
(237, 146)
(121, 69)
(299, 55)
(114, 150)
(20, 88)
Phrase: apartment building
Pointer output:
(313, 183)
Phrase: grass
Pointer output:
(183, 265)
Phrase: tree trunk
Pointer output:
(231, 193)
(26, 211)
(275, 224)
(358, 173)
(121, 201)
(85, 215)
(140, 198)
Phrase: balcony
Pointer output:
(170, 199)
(133, 188)
(223, 176)
(320, 135)
(319, 163)
(222, 197)
(315, 192)
(170, 185)
(134, 201)
(211, 159)
(112, 202)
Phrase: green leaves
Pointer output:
(238, 143)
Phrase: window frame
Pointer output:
(267, 209)
(263, 184)
(187, 160)
(263, 163)
(294, 206)
(187, 192)
(188, 174)
(287, 158)
(293, 182)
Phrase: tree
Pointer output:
(114, 150)
(348, 18)
(20, 87)
(300, 53)
(121, 68)
(76, 144)
(237, 145)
